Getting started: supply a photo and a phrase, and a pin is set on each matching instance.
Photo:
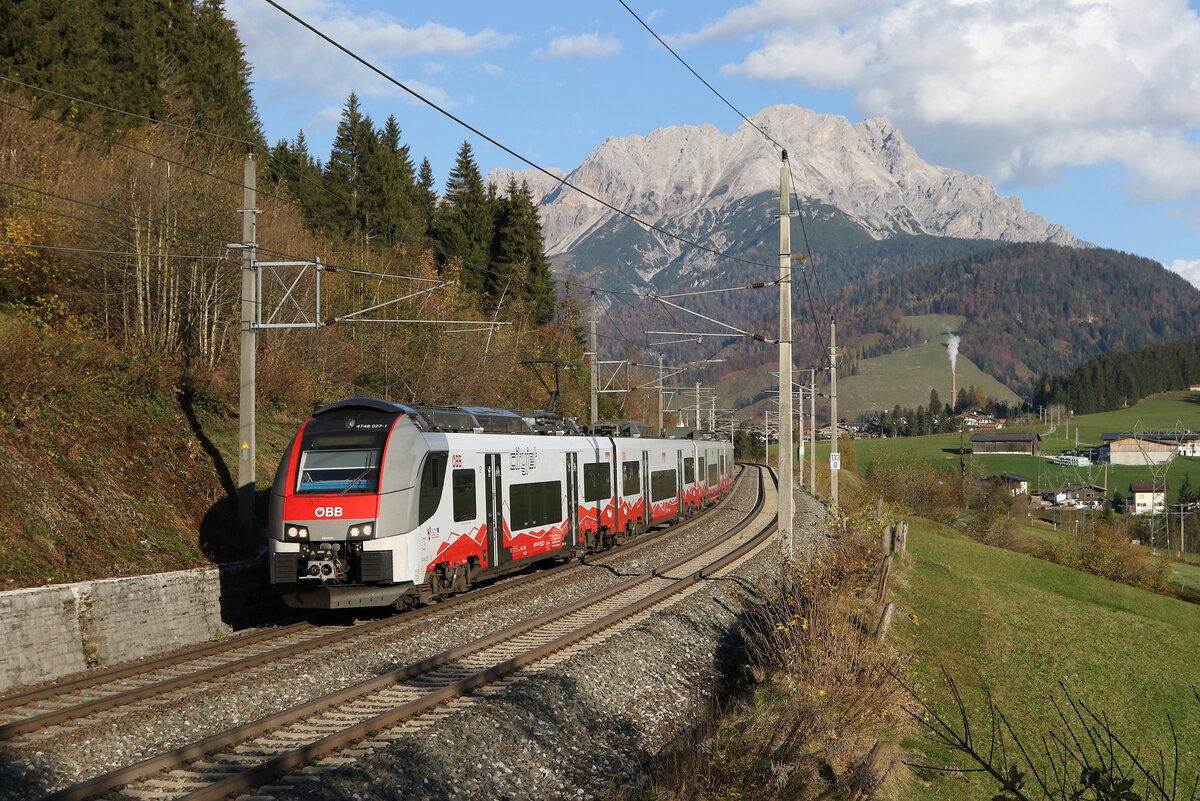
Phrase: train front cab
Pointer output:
(346, 486)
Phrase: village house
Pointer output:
(1145, 499)
(979, 420)
(1005, 442)
(1076, 496)
(1016, 485)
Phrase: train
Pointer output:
(383, 504)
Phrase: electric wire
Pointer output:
(505, 148)
(130, 113)
(114, 252)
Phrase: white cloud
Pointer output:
(1188, 268)
(298, 60)
(1016, 89)
(584, 45)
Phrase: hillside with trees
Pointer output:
(1029, 309)
(119, 298)
(1116, 380)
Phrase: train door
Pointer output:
(572, 500)
(646, 487)
(493, 495)
(679, 482)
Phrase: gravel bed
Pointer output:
(579, 730)
(41, 762)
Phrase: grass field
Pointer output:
(1019, 626)
(905, 377)
(1160, 412)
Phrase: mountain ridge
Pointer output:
(702, 183)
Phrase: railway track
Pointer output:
(143, 682)
(347, 721)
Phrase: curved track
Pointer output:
(248, 756)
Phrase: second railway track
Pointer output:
(251, 753)
(146, 681)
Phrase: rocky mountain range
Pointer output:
(856, 183)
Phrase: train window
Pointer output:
(712, 474)
(464, 495)
(338, 471)
(631, 478)
(662, 485)
(433, 477)
(723, 466)
(535, 504)
(702, 474)
(597, 483)
(689, 470)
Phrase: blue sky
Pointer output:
(1088, 110)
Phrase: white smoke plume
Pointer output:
(952, 341)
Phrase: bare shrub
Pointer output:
(820, 690)
(1103, 549)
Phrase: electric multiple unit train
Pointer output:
(378, 504)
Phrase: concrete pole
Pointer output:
(834, 456)
(812, 431)
(787, 501)
(595, 363)
(660, 394)
(800, 427)
(249, 352)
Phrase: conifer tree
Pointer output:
(389, 187)
(425, 198)
(346, 171)
(518, 254)
(463, 221)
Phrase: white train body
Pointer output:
(376, 503)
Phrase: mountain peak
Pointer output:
(697, 180)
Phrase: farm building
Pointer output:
(1144, 499)
(1005, 442)
(1138, 449)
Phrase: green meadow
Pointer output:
(1022, 629)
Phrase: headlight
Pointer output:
(360, 530)
(296, 533)
(355, 531)
(368, 529)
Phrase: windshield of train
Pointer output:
(341, 456)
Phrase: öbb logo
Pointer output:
(328, 511)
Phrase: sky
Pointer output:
(1087, 110)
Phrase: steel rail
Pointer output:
(253, 776)
(133, 695)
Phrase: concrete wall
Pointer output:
(49, 632)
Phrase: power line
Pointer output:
(767, 136)
(130, 113)
(33, 113)
(507, 149)
(113, 252)
(700, 78)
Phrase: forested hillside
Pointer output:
(1029, 309)
(119, 298)
(1115, 380)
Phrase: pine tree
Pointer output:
(518, 254)
(346, 171)
(388, 210)
(463, 222)
(425, 199)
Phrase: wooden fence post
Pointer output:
(885, 577)
(885, 620)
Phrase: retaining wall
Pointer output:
(49, 632)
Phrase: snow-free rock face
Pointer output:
(698, 181)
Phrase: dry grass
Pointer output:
(816, 695)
